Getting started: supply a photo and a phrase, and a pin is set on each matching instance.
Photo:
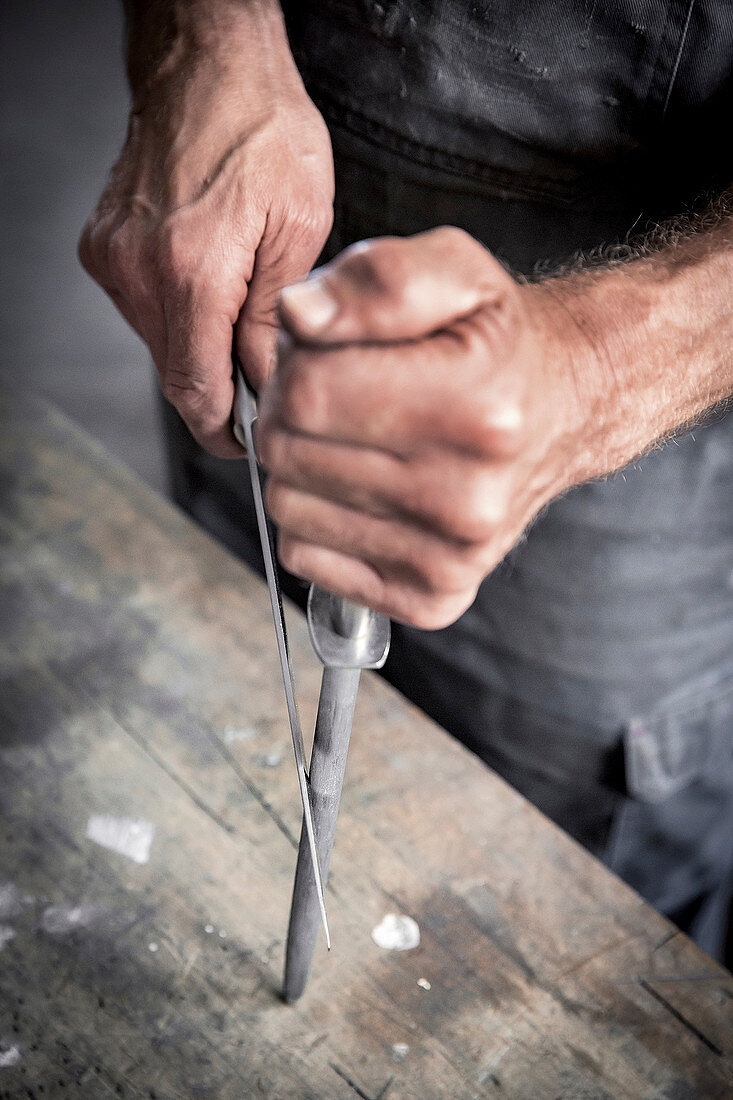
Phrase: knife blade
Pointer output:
(245, 416)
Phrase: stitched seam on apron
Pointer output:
(683, 40)
(664, 61)
(501, 182)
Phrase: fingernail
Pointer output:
(310, 304)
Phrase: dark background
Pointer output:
(63, 110)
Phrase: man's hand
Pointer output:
(222, 195)
(417, 421)
(426, 406)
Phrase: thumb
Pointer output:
(275, 267)
(393, 288)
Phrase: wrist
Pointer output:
(605, 335)
(580, 379)
(224, 81)
(173, 42)
(647, 344)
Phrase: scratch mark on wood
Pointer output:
(605, 950)
(180, 782)
(679, 1017)
(360, 1092)
(657, 978)
(383, 1091)
(317, 1042)
(255, 792)
(670, 936)
(352, 1084)
(150, 751)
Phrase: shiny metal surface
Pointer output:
(245, 415)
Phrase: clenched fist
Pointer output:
(222, 195)
(424, 409)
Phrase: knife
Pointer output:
(245, 417)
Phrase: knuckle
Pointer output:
(380, 265)
(303, 217)
(509, 434)
(316, 219)
(495, 426)
(322, 220)
(481, 267)
(188, 394)
(476, 514)
(453, 237)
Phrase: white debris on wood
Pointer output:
(128, 836)
(59, 920)
(396, 932)
(12, 901)
(232, 734)
(9, 1056)
(399, 1051)
(424, 983)
(6, 935)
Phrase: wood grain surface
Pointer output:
(139, 679)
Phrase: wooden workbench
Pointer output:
(140, 683)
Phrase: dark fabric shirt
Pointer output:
(605, 113)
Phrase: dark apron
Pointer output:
(595, 669)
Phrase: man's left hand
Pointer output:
(424, 409)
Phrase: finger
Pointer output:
(361, 582)
(283, 256)
(393, 288)
(363, 477)
(432, 562)
(398, 398)
(450, 495)
(197, 376)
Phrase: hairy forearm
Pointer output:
(656, 340)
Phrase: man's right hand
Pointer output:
(222, 195)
